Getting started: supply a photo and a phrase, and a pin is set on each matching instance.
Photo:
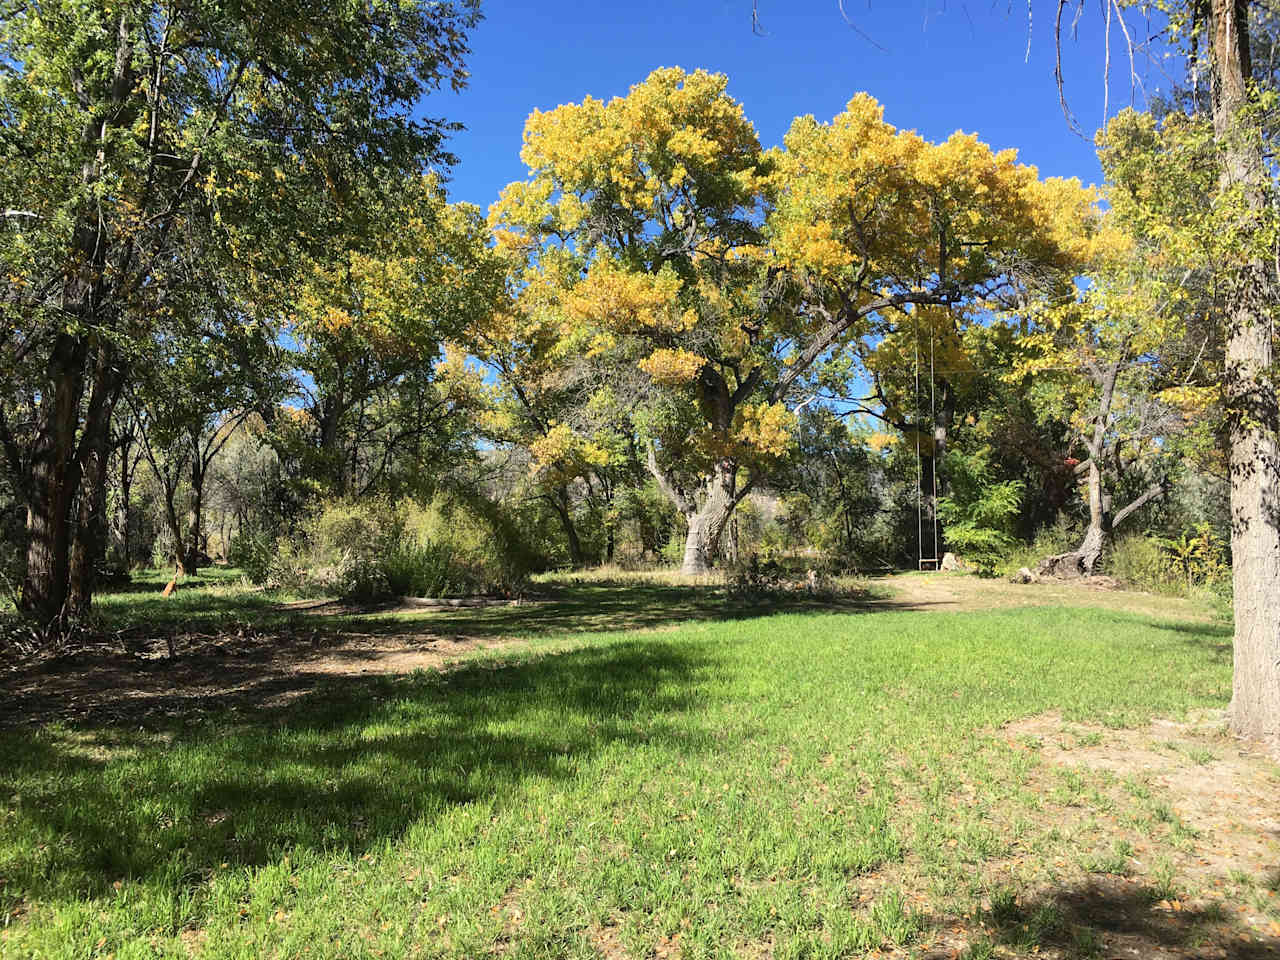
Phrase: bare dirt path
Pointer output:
(955, 593)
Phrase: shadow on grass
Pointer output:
(204, 652)
(600, 609)
(1212, 636)
(1110, 916)
(344, 769)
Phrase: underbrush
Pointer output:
(375, 549)
(738, 581)
(1194, 565)
(1050, 541)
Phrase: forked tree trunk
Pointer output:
(706, 511)
(1083, 561)
(1251, 400)
(707, 519)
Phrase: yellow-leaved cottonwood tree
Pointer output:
(733, 279)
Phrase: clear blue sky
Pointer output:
(936, 65)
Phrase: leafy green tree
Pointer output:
(980, 511)
(369, 329)
(132, 132)
(204, 381)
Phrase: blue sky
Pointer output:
(936, 65)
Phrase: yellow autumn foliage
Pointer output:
(625, 301)
(672, 368)
(564, 454)
(764, 427)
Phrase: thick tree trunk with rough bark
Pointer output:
(55, 477)
(707, 520)
(1253, 420)
(706, 511)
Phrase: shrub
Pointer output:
(418, 569)
(673, 550)
(1063, 536)
(979, 514)
(374, 549)
(1138, 561)
(252, 551)
(1194, 563)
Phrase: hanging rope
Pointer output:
(933, 460)
(919, 467)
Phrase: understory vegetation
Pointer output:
(376, 549)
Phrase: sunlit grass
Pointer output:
(809, 783)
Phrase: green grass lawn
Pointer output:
(810, 784)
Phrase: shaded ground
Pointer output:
(218, 645)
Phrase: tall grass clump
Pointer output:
(1195, 564)
(376, 549)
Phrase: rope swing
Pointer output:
(933, 561)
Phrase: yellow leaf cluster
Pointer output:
(641, 145)
(563, 453)
(672, 368)
(1192, 401)
(857, 190)
(764, 427)
(626, 301)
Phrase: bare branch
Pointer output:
(1057, 68)
(1157, 489)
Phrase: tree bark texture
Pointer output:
(1252, 422)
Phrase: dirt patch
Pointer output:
(607, 942)
(1225, 790)
(1202, 882)
(1107, 917)
(193, 674)
(959, 593)
(342, 608)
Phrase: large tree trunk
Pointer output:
(1251, 400)
(707, 519)
(1082, 561)
(90, 542)
(560, 503)
(89, 546)
(125, 506)
(191, 557)
(55, 477)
